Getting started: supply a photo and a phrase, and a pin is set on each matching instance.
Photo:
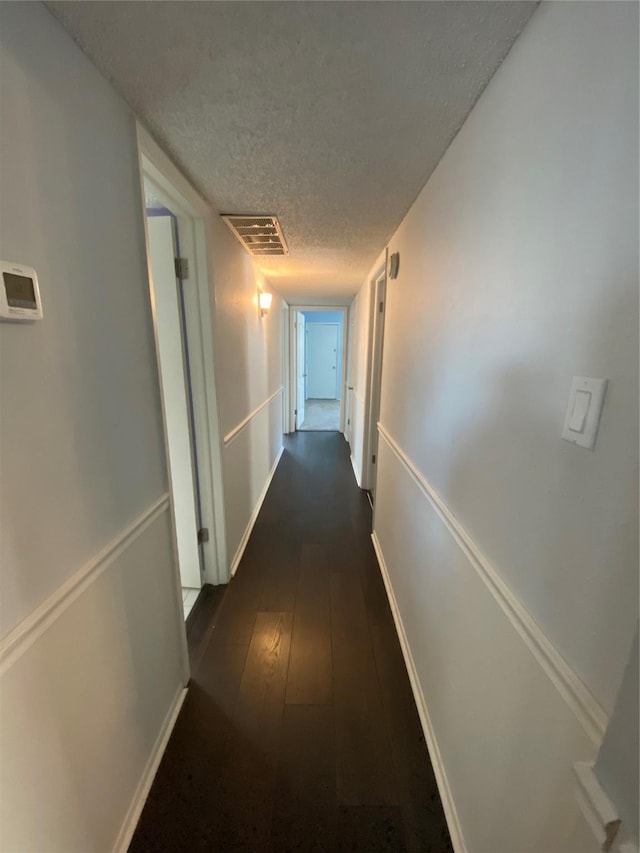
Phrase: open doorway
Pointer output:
(169, 275)
(317, 368)
(178, 280)
(372, 412)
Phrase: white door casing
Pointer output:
(300, 367)
(379, 309)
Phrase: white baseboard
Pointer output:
(254, 515)
(144, 786)
(455, 829)
(598, 810)
(355, 470)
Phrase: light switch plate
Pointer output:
(582, 420)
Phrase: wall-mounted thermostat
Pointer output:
(19, 293)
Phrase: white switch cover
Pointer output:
(583, 412)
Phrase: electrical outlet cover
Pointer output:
(582, 419)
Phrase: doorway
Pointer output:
(378, 311)
(169, 280)
(177, 257)
(317, 369)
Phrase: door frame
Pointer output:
(286, 361)
(300, 326)
(290, 379)
(176, 419)
(348, 414)
(375, 348)
(193, 215)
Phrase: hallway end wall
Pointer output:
(511, 555)
(336, 317)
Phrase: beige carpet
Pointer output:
(321, 414)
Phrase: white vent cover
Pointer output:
(260, 235)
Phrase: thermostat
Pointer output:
(19, 293)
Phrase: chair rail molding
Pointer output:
(243, 423)
(592, 716)
(17, 641)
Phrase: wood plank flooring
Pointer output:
(299, 731)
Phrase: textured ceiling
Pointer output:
(330, 115)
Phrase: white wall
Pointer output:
(91, 651)
(248, 355)
(512, 555)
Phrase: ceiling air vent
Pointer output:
(260, 235)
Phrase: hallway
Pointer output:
(299, 731)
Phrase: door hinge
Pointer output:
(381, 307)
(295, 411)
(348, 421)
(182, 268)
(373, 458)
(203, 535)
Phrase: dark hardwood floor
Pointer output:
(299, 731)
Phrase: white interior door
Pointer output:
(300, 368)
(174, 393)
(322, 361)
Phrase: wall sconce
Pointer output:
(264, 300)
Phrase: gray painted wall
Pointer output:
(518, 270)
(86, 530)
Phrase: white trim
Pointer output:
(237, 429)
(289, 377)
(286, 389)
(213, 445)
(597, 808)
(358, 396)
(584, 705)
(24, 635)
(453, 822)
(163, 171)
(146, 780)
(254, 515)
(293, 367)
(192, 209)
(355, 470)
(373, 373)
